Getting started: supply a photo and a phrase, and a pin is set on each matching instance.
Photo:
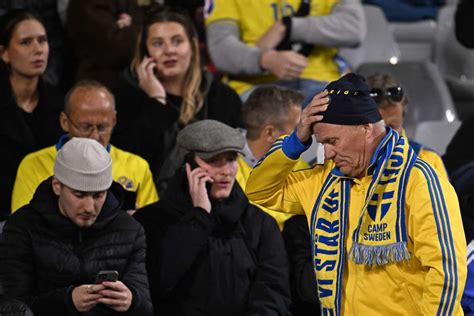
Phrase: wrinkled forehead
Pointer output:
(325, 131)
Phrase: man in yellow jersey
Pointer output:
(269, 113)
(90, 113)
(292, 43)
(386, 231)
(393, 104)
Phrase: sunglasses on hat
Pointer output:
(394, 94)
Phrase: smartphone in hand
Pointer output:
(106, 275)
(193, 164)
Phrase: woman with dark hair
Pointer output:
(29, 106)
(166, 88)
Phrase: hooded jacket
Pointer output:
(229, 262)
(44, 255)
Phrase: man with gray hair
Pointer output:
(53, 249)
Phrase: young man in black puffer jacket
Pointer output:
(52, 249)
(210, 252)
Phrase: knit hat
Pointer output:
(208, 138)
(83, 164)
(350, 102)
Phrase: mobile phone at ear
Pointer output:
(193, 164)
(106, 275)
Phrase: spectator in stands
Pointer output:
(53, 248)
(268, 113)
(408, 10)
(464, 23)
(103, 36)
(293, 45)
(392, 101)
(379, 217)
(58, 71)
(209, 251)
(89, 112)
(165, 89)
(29, 106)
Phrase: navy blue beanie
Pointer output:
(350, 102)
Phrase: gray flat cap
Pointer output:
(208, 138)
(84, 165)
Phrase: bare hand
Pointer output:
(116, 295)
(285, 64)
(197, 179)
(85, 297)
(272, 37)
(124, 20)
(147, 79)
(309, 117)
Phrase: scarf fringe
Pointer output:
(379, 255)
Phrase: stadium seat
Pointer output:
(436, 134)
(379, 44)
(415, 39)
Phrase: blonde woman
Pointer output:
(165, 89)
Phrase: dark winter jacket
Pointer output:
(229, 262)
(22, 133)
(459, 151)
(44, 255)
(304, 292)
(148, 128)
(464, 22)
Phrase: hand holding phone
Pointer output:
(199, 182)
(106, 275)
(148, 81)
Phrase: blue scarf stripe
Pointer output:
(327, 183)
(401, 231)
(444, 236)
(345, 192)
(390, 142)
(449, 236)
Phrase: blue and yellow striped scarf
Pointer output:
(380, 237)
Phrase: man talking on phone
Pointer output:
(210, 252)
(72, 249)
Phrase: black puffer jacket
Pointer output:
(44, 255)
(229, 262)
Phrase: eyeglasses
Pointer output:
(394, 94)
(86, 130)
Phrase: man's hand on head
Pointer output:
(310, 116)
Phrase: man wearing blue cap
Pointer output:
(386, 231)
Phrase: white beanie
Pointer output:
(83, 164)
